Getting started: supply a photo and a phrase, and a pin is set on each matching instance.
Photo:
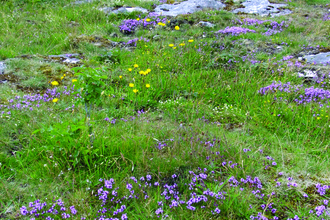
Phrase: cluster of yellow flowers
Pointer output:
(63, 76)
(145, 72)
(182, 44)
(161, 24)
(55, 83)
(141, 72)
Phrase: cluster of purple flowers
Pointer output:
(326, 17)
(321, 189)
(306, 95)
(251, 57)
(249, 22)
(113, 121)
(130, 25)
(275, 28)
(134, 41)
(35, 101)
(38, 209)
(116, 200)
(235, 31)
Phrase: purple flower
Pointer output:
(159, 211)
(235, 31)
(124, 217)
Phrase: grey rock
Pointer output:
(206, 24)
(321, 58)
(109, 10)
(247, 42)
(114, 35)
(71, 61)
(10, 209)
(106, 10)
(262, 8)
(98, 44)
(156, 37)
(67, 58)
(64, 55)
(82, 2)
(308, 74)
(187, 7)
(2, 67)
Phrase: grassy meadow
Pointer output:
(154, 117)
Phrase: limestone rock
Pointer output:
(206, 24)
(262, 8)
(2, 67)
(109, 10)
(320, 58)
(187, 7)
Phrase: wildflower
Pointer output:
(131, 85)
(147, 19)
(136, 66)
(74, 80)
(62, 77)
(190, 41)
(135, 90)
(182, 44)
(148, 85)
(55, 83)
(138, 19)
(120, 77)
(161, 24)
(174, 48)
(148, 70)
(171, 45)
(55, 100)
(130, 69)
(141, 72)
(168, 21)
(177, 28)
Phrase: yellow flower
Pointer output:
(138, 19)
(55, 100)
(182, 44)
(148, 70)
(120, 77)
(174, 48)
(130, 69)
(161, 24)
(135, 90)
(136, 66)
(171, 45)
(177, 28)
(168, 21)
(62, 77)
(190, 41)
(131, 85)
(148, 85)
(54, 83)
(141, 72)
(147, 19)
(74, 80)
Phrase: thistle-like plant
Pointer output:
(90, 85)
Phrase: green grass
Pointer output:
(195, 96)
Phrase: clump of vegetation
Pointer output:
(136, 116)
